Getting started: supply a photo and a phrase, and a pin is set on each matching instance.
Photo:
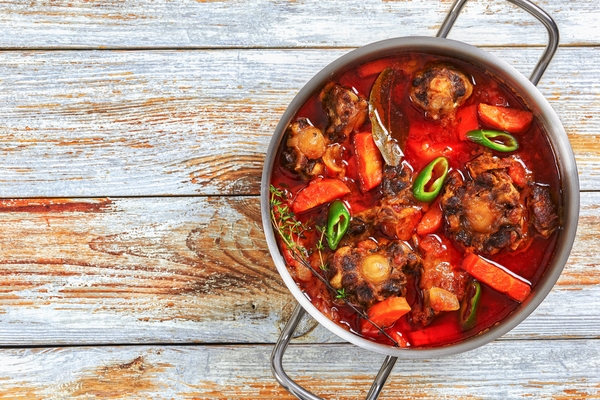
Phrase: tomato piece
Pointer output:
(302, 272)
(431, 221)
(369, 160)
(496, 277)
(319, 191)
(467, 120)
(517, 173)
(426, 151)
(401, 340)
(436, 248)
(410, 217)
(504, 118)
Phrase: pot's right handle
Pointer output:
(541, 15)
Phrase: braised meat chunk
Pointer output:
(347, 111)
(442, 282)
(370, 271)
(305, 146)
(397, 214)
(486, 213)
(543, 211)
(397, 182)
(439, 89)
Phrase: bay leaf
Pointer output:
(388, 120)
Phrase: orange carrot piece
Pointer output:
(467, 121)
(373, 67)
(319, 191)
(511, 120)
(495, 277)
(431, 221)
(388, 311)
(369, 160)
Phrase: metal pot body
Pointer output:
(543, 112)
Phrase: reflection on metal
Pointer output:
(541, 15)
(291, 386)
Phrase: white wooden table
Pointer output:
(132, 259)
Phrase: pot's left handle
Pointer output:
(291, 386)
(541, 15)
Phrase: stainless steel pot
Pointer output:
(543, 112)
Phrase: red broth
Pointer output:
(534, 151)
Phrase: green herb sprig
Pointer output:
(291, 231)
(321, 246)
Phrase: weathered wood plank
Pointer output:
(194, 270)
(90, 269)
(104, 123)
(109, 267)
(263, 23)
(539, 369)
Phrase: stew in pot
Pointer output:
(415, 200)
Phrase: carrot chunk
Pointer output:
(467, 121)
(319, 191)
(431, 221)
(385, 313)
(496, 277)
(373, 67)
(369, 160)
(507, 119)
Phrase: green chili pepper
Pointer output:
(495, 140)
(426, 187)
(337, 223)
(468, 306)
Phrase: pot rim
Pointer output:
(544, 113)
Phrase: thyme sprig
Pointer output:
(320, 247)
(291, 231)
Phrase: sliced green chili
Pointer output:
(468, 307)
(495, 140)
(337, 223)
(430, 180)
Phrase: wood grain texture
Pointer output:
(539, 369)
(109, 123)
(132, 139)
(194, 270)
(264, 23)
(131, 270)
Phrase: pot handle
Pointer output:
(541, 15)
(291, 386)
